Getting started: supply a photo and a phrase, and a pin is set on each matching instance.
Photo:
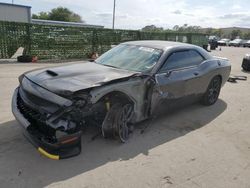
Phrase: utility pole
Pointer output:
(113, 27)
(12, 1)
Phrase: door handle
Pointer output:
(196, 73)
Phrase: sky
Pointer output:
(135, 14)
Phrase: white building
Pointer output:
(15, 13)
(21, 13)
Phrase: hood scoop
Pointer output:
(75, 77)
(52, 73)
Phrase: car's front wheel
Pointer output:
(213, 92)
(117, 121)
(123, 117)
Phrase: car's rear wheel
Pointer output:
(213, 92)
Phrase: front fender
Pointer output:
(133, 88)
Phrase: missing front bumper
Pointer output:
(65, 147)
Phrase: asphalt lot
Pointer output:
(196, 146)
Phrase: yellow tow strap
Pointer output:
(45, 153)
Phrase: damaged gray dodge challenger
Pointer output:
(126, 85)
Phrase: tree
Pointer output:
(183, 28)
(59, 14)
(236, 33)
(217, 32)
(152, 28)
(41, 15)
(209, 31)
(247, 36)
(187, 28)
(176, 28)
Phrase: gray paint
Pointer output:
(102, 80)
(75, 77)
(148, 92)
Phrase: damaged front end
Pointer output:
(52, 123)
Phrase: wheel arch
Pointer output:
(219, 76)
(216, 75)
(117, 96)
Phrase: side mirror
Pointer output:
(164, 74)
(168, 73)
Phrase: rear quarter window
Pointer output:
(195, 58)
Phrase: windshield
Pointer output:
(131, 57)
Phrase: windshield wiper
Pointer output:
(105, 64)
(109, 66)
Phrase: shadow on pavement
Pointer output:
(22, 166)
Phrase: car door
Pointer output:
(193, 74)
(175, 79)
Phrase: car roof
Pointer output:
(159, 44)
(168, 46)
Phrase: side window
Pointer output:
(182, 59)
(175, 60)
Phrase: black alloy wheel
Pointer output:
(123, 118)
(213, 91)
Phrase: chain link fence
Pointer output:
(66, 42)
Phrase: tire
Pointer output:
(117, 122)
(246, 64)
(122, 119)
(213, 92)
(24, 58)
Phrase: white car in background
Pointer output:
(247, 44)
(223, 42)
(236, 43)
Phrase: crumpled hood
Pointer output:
(75, 77)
